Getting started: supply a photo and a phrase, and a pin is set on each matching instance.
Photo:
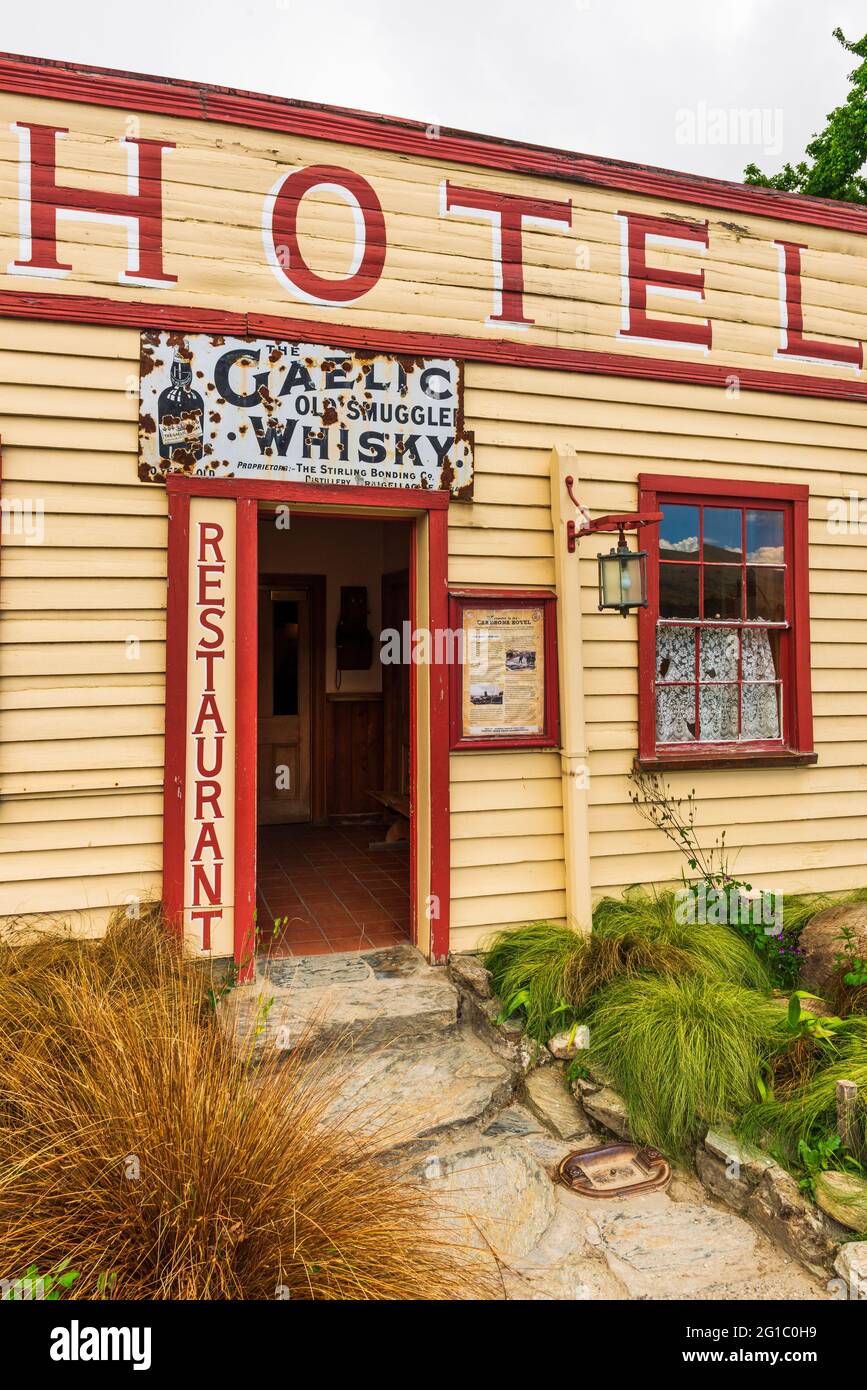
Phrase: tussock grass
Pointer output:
(684, 1052)
(715, 950)
(809, 1110)
(111, 1064)
(557, 972)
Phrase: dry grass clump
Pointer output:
(136, 1144)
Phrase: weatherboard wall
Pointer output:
(83, 626)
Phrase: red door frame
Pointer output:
(384, 504)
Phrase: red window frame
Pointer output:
(796, 746)
(459, 599)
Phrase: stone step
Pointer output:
(420, 1087)
(359, 1000)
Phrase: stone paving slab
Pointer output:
(365, 999)
(417, 1088)
(489, 1138)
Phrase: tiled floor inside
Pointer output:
(328, 891)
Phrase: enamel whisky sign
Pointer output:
(300, 412)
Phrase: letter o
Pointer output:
(280, 227)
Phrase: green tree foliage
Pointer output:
(835, 158)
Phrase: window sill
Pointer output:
(670, 762)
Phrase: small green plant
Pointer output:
(48, 1287)
(263, 1009)
(820, 1155)
(849, 960)
(214, 994)
(105, 1284)
(801, 1023)
(817, 1158)
(575, 1071)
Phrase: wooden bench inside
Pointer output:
(394, 801)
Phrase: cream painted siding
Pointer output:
(82, 629)
(83, 626)
(507, 851)
(795, 828)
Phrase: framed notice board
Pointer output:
(503, 672)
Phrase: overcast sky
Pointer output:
(658, 81)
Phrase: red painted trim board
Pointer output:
(390, 503)
(246, 713)
(177, 613)
(187, 319)
(440, 834)
(127, 91)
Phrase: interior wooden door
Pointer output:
(284, 705)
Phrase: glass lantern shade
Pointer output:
(623, 579)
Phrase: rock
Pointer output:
(821, 942)
(469, 972)
(723, 1180)
(358, 1000)
(515, 1120)
(531, 1054)
(851, 1266)
(567, 1044)
(669, 1250)
(735, 1154)
(548, 1098)
(608, 1109)
(413, 1089)
(391, 962)
(498, 1195)
(583, 1086)
(684, 1186)
(780, 1209)
(563, 1266)
(481, 1015)
(843, 1196)
(730, 1169)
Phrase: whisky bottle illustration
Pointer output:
(180, 414)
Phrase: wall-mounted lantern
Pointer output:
(622, 572)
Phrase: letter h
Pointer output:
(42, 200)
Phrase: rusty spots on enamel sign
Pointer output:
(214, 406)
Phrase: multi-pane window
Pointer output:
(722, 624)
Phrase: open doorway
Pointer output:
(334, 778)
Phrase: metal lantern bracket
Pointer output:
(627, 521)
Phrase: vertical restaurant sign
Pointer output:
(209, 830)
(213, 406)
